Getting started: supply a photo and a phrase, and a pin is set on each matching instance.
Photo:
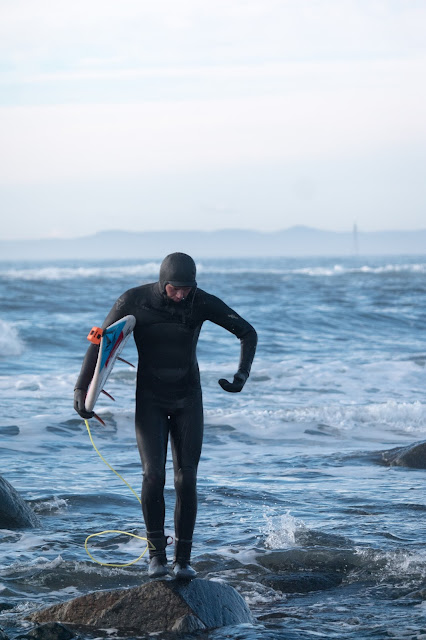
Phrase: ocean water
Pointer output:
(290, 485)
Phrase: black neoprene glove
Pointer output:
(235, 386)
(79, 404)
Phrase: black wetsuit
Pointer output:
(168, 392)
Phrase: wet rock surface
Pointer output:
(322, 559)
(161, 605)
(14, 512)
(414, 456)
(49, 631)
(303, 582)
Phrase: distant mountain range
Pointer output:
(296, 241)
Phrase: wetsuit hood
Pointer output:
(179, 270)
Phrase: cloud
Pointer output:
(320, 111)
(64, 34)
(111, 93)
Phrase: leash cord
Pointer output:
(126, 533)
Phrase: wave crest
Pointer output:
(151, 269)
(53, 273)
(11, 344)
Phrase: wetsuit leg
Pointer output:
(186, 435)
(152, 428)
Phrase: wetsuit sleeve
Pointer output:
(219, 313)
(119, 310)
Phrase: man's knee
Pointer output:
(153, 479)
(185, 480)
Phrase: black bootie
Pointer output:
(157, 543)
(181, 566)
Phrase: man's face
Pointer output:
(177, 294)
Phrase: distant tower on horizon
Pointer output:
(355, 239)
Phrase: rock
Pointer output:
(276, 615)
(323, 560)
(49, 631)
(160, 605)
(417, 597)
(14, 512)
(303, 581)
(188, 624)
(413, 456)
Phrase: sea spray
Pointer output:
(11, 343)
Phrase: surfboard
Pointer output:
(111, 345)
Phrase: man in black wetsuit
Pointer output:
(169, 315)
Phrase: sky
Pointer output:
(258, 114)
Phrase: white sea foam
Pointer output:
(401, 563)
(143, 271)
(335, 270)
(39, 562)
(59, 563)
(52, 506)
(399, 416)
(11, 344)
(338, 269)
(47, 384)
(355, 420)
(24, 608)
(150, 271)
(91, 567)
(353, 407)
(30, 541)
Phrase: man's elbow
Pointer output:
(250, 336)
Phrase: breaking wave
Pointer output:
(150, 271)
(403, 417)
(11, 343)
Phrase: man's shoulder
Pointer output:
(202, 296)
(207, 299)
(137, 294)
(140, 290)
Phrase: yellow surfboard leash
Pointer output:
(127, 533)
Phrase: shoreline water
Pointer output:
(287, 484)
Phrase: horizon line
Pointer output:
(355, 229)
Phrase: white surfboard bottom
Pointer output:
(112, 343)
